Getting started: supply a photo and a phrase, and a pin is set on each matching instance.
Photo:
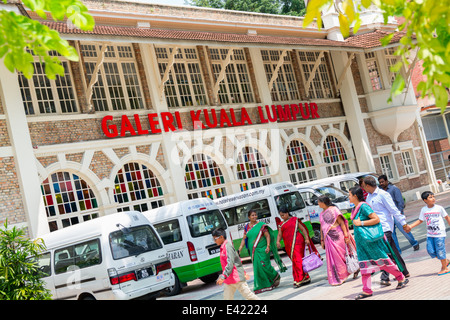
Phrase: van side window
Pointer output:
(239, 214)
(293, 201)
(309, 198)
(347, 185)
(44, 265)
(169, 231)
(203, 223)
(79, 256)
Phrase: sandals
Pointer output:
(355, 275)
(385, 283)
(362, 296)
(302, 283)
(402, 284)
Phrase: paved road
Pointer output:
(424, 282)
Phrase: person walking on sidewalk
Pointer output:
(372, 255)
(381, 203)
(434, 215)
(262, 244)
(233, 276)
(335, 236)
(296, 237)
(397, 197)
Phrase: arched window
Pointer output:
(204, 178)
(300, 163)
(137, 188)
(335, 157)
(252, 168)
(68, 200)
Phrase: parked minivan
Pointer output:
(185, 228)
(266, 201)
(346, 181)
(312, 191)
(118, 256)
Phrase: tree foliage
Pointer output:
(427, 32)
(21, 37)
(19, 273)
(284, 7)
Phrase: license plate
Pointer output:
(214, 250)
(144, 273)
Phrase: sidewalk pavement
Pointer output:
(424, 283)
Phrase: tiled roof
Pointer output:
(372, 39)
(367, 40)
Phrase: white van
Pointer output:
(118, 256)
(312, 191)
(266, 201)
(345, 181)
(185, 228)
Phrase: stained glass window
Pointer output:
(68, 200)
(335, 155)
(137, 188)
(204, 178)
(253, 169)
(300, 163)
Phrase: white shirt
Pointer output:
(434, 217)
(385, 208)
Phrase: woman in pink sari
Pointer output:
(295, 236)
(335, 237)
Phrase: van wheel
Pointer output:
(316, 237)
(175, 289)
(210, 278)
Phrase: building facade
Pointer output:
(169, 103)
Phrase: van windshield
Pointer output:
(293, 201)
(203, 223)
(133, 241)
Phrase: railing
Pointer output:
(441, 164)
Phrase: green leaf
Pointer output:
(440, 95)
(349, 9)
(366, 3)
(344, 25)
(387, 39)
(398, 85)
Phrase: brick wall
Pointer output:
(11, 206)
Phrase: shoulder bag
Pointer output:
(311, 261)
(371, 233)
(351, 259)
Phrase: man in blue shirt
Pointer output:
(397, 197)
(383, 205)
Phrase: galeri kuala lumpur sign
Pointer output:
(207, 118)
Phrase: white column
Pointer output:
(426, 153)
(353, 113)
(279, 170)
(24, 158)
(168, 143)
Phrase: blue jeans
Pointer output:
(408, 236)
(436, 248)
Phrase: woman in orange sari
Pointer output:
(295, 236)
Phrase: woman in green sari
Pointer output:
(261, 243)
